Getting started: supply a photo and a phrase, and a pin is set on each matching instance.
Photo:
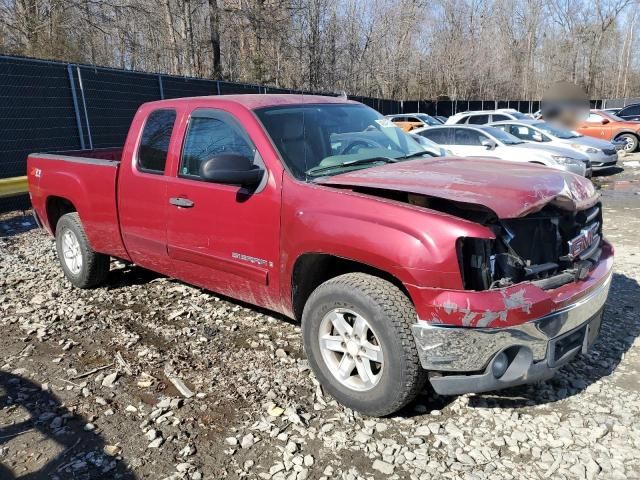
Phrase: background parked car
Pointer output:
(429, 146)
(606, 126)
(482, 117)
(441, 118)
(612, 111)
(411, 121)
(601, 153)
(630, 112)
(485, 141)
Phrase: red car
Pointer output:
(403, 268)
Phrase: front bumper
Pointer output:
(577, 167)
(460, 360)
(602, 161)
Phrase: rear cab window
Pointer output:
(154, 142)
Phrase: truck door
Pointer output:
(223, 237)
(142, 191)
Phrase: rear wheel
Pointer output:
(630, 142)
(357, 337)
(84, 267)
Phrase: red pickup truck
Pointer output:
(403, 268)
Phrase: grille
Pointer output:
(553, 241)
(587, 229)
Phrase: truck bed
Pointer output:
(99, 153)
(88, 179)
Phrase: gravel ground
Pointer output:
(151, 378)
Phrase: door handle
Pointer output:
(181, 202)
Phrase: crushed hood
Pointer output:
(510, 189)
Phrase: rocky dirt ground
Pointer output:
(149, 378)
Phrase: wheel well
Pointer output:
(619, 134)
(313, 269)
(56, 208)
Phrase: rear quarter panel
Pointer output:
(90, 185)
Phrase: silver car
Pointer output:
(601, 153)
(486, 141)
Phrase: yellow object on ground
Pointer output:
(13, 186)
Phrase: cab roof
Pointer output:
(253, 101)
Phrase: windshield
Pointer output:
(502, 136)
(556, 131)
(327, 139)
(428, 119)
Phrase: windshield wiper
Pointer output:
(416, 154)
(350, 163)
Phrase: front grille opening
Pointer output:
(550, 248)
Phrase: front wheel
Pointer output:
(357, 336)
(84, 267)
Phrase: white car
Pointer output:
(485, 141)
(482, 117)
(429, 146)
(601, 153)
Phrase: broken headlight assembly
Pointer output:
(549, 248)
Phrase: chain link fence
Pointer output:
(49, 106)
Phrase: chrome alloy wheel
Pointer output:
(71, 252)
(629, 145)
(350, 349)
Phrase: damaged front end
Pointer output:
(549, 248)
(533, 297)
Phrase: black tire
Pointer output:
(95, 266)
(631, 142)
(390, 313)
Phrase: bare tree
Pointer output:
(462, 49)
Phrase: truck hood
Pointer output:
(510, 190)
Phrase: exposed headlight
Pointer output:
(584, 148)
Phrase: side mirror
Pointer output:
(232, 169)
(489, 144)
(605, 121)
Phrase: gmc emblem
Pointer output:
(587, 237)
